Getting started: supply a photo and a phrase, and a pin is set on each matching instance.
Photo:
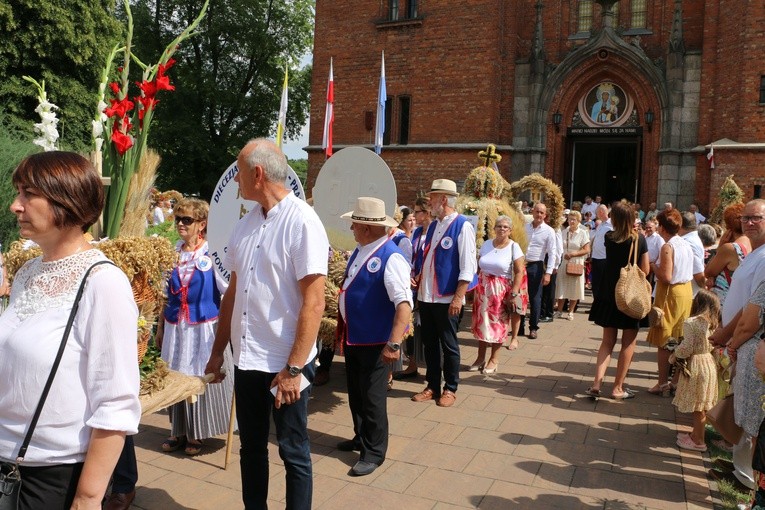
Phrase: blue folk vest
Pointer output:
(368, 310)
(417, 250)
(446, 257)
(196, 303)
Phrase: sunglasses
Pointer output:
(186, 220)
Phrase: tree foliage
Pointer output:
(63, 42)
(228, 81)
(15, 145)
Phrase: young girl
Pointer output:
(697, 387)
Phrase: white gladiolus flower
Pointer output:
(46, 129)
(98, 128)
(99, 143)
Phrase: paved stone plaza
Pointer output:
(525, 437)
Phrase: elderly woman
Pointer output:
(93, 401)
(186, 332)
(733, 247)
(674, 295)
(748, 385)
(576, 247)
(619, 243)
(501, 294)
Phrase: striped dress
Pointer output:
(186, 348)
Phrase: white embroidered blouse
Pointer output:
(97, 383)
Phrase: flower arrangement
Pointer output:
(127, 122)
(730, 193)
(553, 198)
(46, 129)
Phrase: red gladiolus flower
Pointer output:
(149, 88)
(119, 108)
(122, 142)
(162, 81)
(115, 88)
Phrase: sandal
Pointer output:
(513, 345)
(592, 392)
(626, 394)
(193, 448)
(390, 383)
(172, 444)
(664, 390)
(687, 443)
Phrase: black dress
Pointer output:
(604, 312)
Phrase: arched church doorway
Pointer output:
(607, 166)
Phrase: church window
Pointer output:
(762, 89)
(388, 123)
(639, 14)
(615, 10)
(393, 10)
(584, 16)
(411, 9)
(404, 103)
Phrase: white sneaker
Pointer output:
(570, 316)
(558, 315)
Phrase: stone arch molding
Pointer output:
(609, 41)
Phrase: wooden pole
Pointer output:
(230, 438)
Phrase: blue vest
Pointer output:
(446, 257)
(398, 238)
(197, 303)
(368, 310)
(417, 251)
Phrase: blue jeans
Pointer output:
(535, 272)
(439, 335)
(254, 407)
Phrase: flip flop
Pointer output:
(627, 394)
(592, 393)
(511, 347)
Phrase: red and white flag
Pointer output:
(329, 114)
(711, 157)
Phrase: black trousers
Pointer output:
(367, 377)
(548, 296)
(439, 337)
(49, 487)
(596, 275)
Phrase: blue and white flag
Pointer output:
(381, 97)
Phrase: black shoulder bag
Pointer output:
(10, 477)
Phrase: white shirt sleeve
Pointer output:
(551, 249)
(405, 245)
(397, 282)
(466, 246)
(108, 321)
(310, 248)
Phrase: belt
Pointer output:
(530, 262)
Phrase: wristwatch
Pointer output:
(394, 346)
(294, 371)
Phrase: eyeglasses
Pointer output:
(186, 220)
(752, 219)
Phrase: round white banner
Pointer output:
(227, 207)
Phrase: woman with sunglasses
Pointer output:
(186, 331)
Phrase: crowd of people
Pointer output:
(256, 334)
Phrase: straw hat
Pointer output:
(444, 186)
(370, 211)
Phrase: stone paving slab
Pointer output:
(525, 437)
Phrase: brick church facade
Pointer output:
(620, 99)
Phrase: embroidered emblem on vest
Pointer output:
(446, 243)
(374, 264)
(204, 263)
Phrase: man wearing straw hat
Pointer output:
(271, 312)
(448, 269)
(375, 305)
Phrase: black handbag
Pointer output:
(10, 477)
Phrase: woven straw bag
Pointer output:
(633, 292)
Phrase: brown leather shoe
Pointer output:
(119, 501)
(321, 378)
(423, 396)
(532, 334)
(447, 399)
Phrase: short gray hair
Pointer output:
(504, 219)
(707, 235)
(270, 158)
(689, 220)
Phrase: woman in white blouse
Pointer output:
(501, 294)
(576, 247)
(93, 402)
(674, 272)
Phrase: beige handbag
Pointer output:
(633, 292)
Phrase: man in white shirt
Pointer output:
(271, 312)
(542, 244)
(448, 272)
(654, 242)
(589, 206)
(375, 305)
(700, 218)
(747, 277)
(688, 232)
(598, 261)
